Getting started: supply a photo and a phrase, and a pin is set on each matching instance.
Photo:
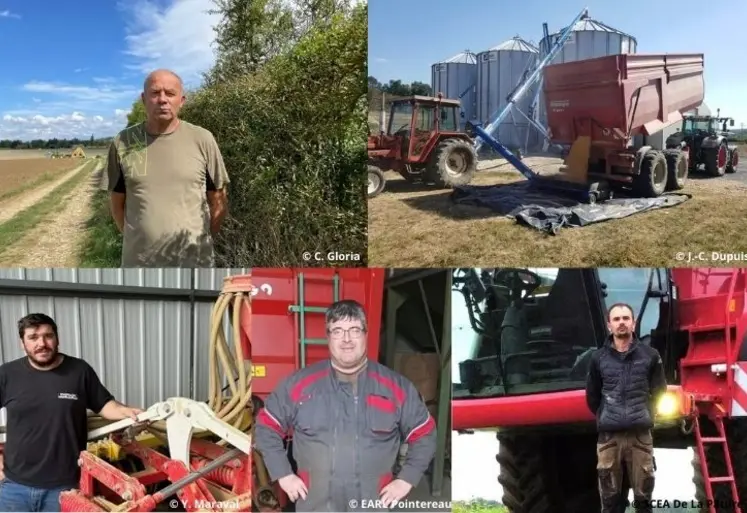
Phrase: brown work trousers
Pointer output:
(632, 451)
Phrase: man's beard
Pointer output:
(43, 359)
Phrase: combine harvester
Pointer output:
(200, 454)
(526, 374)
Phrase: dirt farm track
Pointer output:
(44, 206)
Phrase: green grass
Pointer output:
(102, 244)
(17, 226)
(478, 506)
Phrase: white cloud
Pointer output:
(381, 60)
(75, 124)
(8, 14)
(104, 93)
(80, 70)
(178, 37)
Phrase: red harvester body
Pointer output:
(530, 383)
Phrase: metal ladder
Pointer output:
(708, 480)
(302, 309)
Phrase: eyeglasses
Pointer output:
(339, 332)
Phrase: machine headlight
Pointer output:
(668, 405)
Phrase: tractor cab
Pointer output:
(416, 120)
(528, 331)
(708, 124)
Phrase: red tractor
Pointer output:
(532, 335)
(422, 143)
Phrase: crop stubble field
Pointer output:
(20, 173)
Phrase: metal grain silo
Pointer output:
(499, 71)
(455, 78)
(589, 39)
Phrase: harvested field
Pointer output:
(23, 173)
(416, 226)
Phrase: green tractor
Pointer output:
(707, 143)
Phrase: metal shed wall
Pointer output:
(138, 328)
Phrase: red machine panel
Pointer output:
(288, 327)
(630, 94)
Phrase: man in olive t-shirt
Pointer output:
(167, 182)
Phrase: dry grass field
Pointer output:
(418, 226)
(21, 174)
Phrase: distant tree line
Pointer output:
(399, 88)
(54, 144)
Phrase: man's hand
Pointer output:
(131, 412)
(293, 487)
(394, 492)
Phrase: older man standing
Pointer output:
(348, 416)
(167, 182)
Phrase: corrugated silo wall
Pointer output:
(144, 331)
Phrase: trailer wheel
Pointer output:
(731, 167)
(677, 170)
(736, 434)
(454, 162)
(376, 181)
(716, 159)
(652, 180)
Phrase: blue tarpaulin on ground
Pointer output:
(549, 211)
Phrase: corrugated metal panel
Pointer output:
(455, 78)
(139, 347)
(499, 71)
(589, 39)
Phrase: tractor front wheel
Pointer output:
(731, 167)
(716, 160)
(454, 162)
(376, 181)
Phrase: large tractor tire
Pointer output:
(716, 159)
(376, 181)
(653, 178)
(677, 169)
(549, 474)
(453, 162)
(731, 166)
(736, 435)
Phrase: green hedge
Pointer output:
(293, 139)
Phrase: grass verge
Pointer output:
(102, 242)
(17, 226)
(478, 506)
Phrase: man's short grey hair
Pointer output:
(346, 309)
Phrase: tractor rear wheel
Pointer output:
(676, 169)
(453, 162)
(736, 435)
(376, 181)
(652, 181)
(716, 159)
(731, 166)
(535, 478)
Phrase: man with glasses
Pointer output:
(348, 417)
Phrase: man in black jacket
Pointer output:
(625, 379)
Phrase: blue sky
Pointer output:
(406, 37)
(73, 68)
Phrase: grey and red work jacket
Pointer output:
(345, 442)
